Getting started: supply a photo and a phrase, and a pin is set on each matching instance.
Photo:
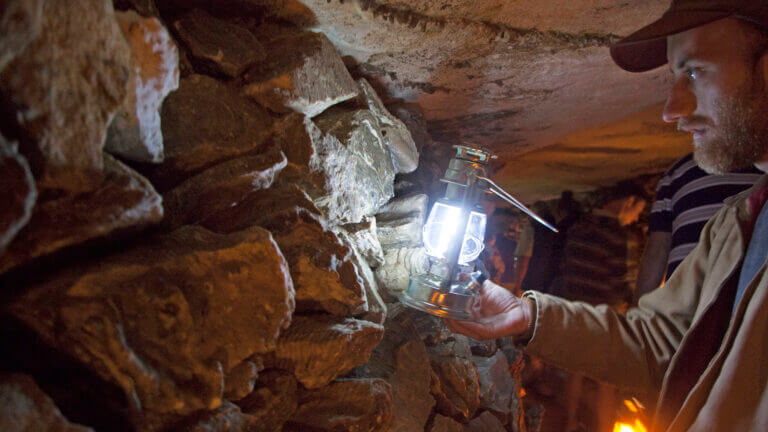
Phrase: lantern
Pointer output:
(453, 238)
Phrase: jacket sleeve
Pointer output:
(633, 350)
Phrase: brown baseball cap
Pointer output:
(646, 49)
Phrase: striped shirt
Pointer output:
(686, 198)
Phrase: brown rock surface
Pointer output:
(445, 424)
(218, 47)
(363, 236)
(25, 408)
(225, 418)
(206, 122)
(135, 131)
(303, 73)
(272, 403)
(457, 390)
(376, 309)
(345, 405)
(63, 113)
(497, 388)
(216, 191)
(123, 199)
(17, 192)
(20, 23)
(166, 320)
(485, 422)
(242, 378)
(317, 349)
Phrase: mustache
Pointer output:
(694, 122)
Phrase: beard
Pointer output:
(742, 139)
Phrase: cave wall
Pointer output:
(206, 224)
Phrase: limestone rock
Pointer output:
(17, 192)
(345, 405)
(497, 388)
(318, 349)
(217, 190)
(123, 199)
(399, 266)
(25, 408)
(401, 221)
(395, 134)
(20, 24)
(167, 320)
(218, 47)
(485, 422)
(303, 73)
(226, 417)
(483, 349)
(272, 403)
(431, 328)
(135, 131)
(241, 378)
(146, 8)
(457, 388)
(445, 424)
(401, 359)
(377, 309)
(363, 236)
(350, 169)
(413, 118)
(62, 110)
(206, 122)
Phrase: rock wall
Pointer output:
(208, 223)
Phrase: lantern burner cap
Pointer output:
(425, 293)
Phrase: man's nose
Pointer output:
(681, 102)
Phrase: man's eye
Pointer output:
(692, 74)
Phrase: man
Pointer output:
(701, 340)
(686, 198)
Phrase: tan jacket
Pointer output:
(709, 368)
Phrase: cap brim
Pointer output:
(646, 48)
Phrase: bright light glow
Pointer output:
(440, 232)
(625, 427)
(630, 406)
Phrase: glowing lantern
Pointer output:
(453, 238)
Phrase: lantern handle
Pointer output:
(501, 193)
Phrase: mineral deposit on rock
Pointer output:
(345, 405)
(25, 408)
(135, 131)
(17, 192)
(168, 319)
(64, 115)
(123, 199)
(363, 236)
(399, 265)
(401, 221)
(218, 47)
(377, 309)
(303, 73)
(317, 349)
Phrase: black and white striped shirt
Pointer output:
(686, 198)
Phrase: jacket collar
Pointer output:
(741, 201)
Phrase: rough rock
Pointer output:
(485, 422)
(445, 424)
(401, 360)
(242, 378)
(363, 236)
(20, 24)
(431, 328)
(25, 408)
(18, 192)
(413, 119)
(457, 387)
(62, 113)
(317, 349)
(218, 47)
(516, 362)
(345, 405)
(534, 415)
(351, 172)
(303, 73)
(135, 132)
(146, 8)
(400, 222)
(226, 417)
(395, 134)
(483, 349)
(123, 199)
(206, 122)
(399, 266)
(217, 190)
(377, 309)
(272, 403)
(168, 319)
(497, 388)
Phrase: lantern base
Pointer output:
(425, 294)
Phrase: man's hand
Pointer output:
(497, 313)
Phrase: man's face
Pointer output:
(720, 95)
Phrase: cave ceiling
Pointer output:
(510, 75)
